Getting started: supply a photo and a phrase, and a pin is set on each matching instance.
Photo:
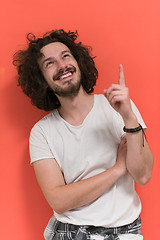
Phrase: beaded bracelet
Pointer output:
(134, 130)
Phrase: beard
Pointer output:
(67, 91)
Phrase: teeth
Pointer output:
(66, 75)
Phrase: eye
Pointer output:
(48, 64)
(66, 55)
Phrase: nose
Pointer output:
(61, 65)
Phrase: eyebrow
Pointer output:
(47, 59)
(51, 58)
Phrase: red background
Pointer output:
(120, 31)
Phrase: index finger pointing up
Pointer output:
(121, 76)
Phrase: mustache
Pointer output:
(60, 72)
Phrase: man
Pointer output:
(89, 151)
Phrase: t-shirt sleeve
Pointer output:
(38, 145)
(119, 123)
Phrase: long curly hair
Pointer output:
(30, 77)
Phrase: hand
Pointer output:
(121, 156)
(118, 96)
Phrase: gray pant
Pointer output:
(56, 230)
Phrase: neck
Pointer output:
(75, 109)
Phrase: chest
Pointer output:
(84, 151)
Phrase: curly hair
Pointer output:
(30, 77)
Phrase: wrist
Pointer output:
(131, 121)
(118, 170)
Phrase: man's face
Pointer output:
(60, 69)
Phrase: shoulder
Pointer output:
(44, 124)
(102, 103)
(102, 100)
(47, 118)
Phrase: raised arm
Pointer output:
(62, 197)
(139, 158)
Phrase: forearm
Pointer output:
(139, 160)
(81, 193)
(64, 197)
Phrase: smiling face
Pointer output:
(60, 69)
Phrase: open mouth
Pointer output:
(65, 75)
(62, 75)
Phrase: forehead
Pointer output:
(54, 49)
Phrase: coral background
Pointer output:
(119, 31)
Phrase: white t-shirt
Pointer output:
(84, 151)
